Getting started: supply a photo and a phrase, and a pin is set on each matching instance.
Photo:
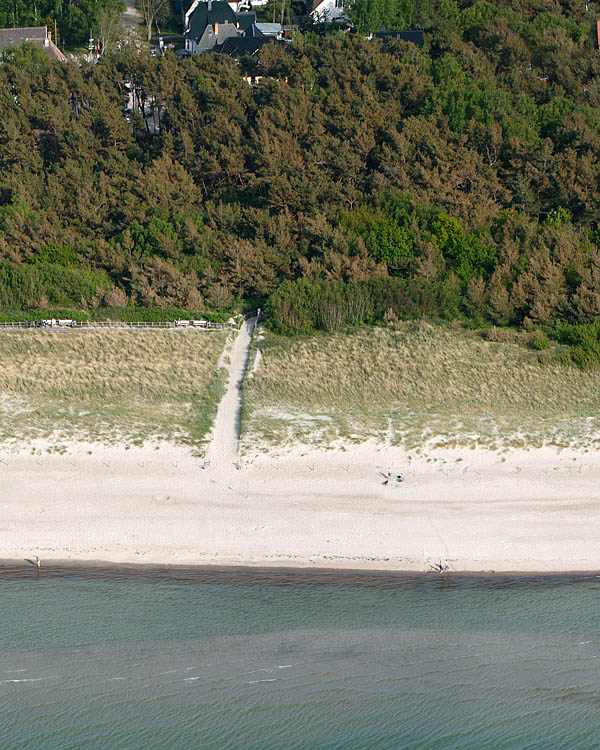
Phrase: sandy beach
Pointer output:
(521, 510)
(482, 509)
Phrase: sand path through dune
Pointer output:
(222, 455)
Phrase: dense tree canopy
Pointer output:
(471, 165)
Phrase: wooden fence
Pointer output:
(64, 325)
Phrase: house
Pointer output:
(252, 32)
(241, 45)
(250, 41)
(260, 30)
(240, 6)
(253, 79)
(187, 7)
(414, 37)
(210, 24)
(328, 11)
(39, 36)
(215, 26)
(270, 29)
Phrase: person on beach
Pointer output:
(446, 565)
(393, 478)
(38, 563)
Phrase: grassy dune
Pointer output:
(417, 383)
(109, 386)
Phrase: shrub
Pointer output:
(496, 334)
(61, 286)
(304, 306)
(583, 340)
(58, 255)
(538, 340)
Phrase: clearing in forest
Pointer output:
(415, 384)
(110, 386)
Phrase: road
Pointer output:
(132, 20)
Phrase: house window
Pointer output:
(339, 3)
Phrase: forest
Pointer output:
(460, 180)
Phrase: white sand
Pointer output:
(224, 446)
(533, 510)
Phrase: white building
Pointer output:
(237, 6)
(327, 11)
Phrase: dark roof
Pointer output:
(50, 49)
(416, 37)
(9, 37)
(240, 45)
(186, 5)
(245, 20)
(215, 35)
(219, 13)
(253, 32)
(36, 35)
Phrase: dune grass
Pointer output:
(110, 386)
(416, 384)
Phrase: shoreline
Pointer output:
(516, 512)
(281, 575)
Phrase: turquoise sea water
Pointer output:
(283, 660)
